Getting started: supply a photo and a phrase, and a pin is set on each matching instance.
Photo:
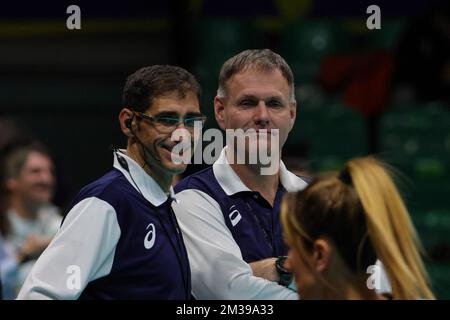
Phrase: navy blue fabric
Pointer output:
(258, 233)
(137, 272)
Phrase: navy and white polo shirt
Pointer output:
(119, 241)
(226, 226)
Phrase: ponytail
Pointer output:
(362, 212)
(390, 229)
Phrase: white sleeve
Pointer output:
(217, 268)
(52, 222)
(81, 251)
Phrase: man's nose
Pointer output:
(262, 114)
(47, 176)
(180, 133)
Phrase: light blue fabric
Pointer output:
(8, 272)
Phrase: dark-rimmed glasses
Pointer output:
(167, 124)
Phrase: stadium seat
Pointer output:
(332, 132)
(307, 42)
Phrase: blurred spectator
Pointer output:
(12, 136)
(9, 268)
(33, 220)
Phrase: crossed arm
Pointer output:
(217, 267)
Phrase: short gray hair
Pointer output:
(262, 59)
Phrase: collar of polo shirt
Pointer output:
(231, 183)
(147, 185)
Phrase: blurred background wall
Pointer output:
(359, 91)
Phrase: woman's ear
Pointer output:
(322, 255)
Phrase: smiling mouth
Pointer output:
(170, 149)
(260, 131)
(267, 131)
(41, 187)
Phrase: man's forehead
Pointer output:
(175, 102)
(36, 155)
(37, 159)
(250, 80)
(258, 72)
(264, 95)
(260, 91)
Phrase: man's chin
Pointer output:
(41, 194)
(40, 201)
(173, 167)
(171, 162)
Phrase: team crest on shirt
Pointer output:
(150, 237)
(234, 215)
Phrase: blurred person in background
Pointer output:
(33, 220)
(339, 225)
(13, 137)
(9, 266)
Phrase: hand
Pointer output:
(265, 269)
(33, 246)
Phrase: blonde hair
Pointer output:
(362, 212)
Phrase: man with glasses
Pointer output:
(120, 239)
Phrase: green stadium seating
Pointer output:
(333, 134)
(387, 37)
(307, 42)
(216, 40)
(416, 141)
(440, 280)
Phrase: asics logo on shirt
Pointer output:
(150, 237)
(234, 216)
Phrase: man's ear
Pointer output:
(219, 108)
(125, 120)
(11, 184)
(322, 255)
(293, 114)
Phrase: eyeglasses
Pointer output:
(167, 124)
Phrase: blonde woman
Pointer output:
(339, 225)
